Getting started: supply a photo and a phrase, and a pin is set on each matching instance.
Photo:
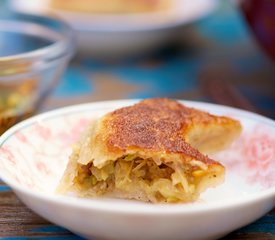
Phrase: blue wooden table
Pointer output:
(218, 50)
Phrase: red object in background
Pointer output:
(260, 15)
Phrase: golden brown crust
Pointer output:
(158, 128)
(156, 125)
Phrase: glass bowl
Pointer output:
(34, 52)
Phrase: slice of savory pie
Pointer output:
(150, 152)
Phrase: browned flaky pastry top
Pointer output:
(156, 125)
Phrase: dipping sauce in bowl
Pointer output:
(17, 97)
(33, 54)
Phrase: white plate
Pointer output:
(34, 153)
(123, 35)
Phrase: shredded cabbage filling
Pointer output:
(143, 178)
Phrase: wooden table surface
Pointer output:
(219, 51)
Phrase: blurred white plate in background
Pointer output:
(120, 35)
